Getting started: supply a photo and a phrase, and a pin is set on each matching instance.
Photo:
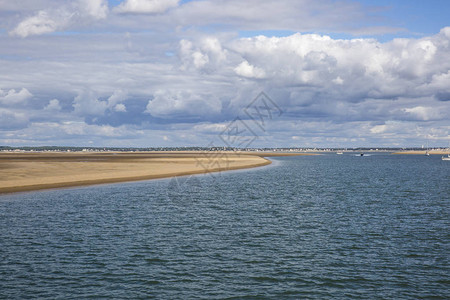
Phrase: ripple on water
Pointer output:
(309, 227)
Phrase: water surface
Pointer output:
(318, 227)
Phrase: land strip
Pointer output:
(21, 172)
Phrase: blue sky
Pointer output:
(416, 16)
(150, 73)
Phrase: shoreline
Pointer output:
(26, 172)
(421, 152)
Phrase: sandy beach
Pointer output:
(35, 171)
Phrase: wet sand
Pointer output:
(35, 171)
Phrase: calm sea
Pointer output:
(311, 227)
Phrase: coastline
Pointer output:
(24, 172)
(432, 152)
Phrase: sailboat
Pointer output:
(448, 155)
(427, 153)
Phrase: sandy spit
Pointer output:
(21, 172)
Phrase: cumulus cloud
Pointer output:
(10, 120)
(53, 105)
(204, 73)
(315, 76)
(116, 98)
(183, 105)
(120, 108)
(422, 113)
(246, 70)
(12, 97)
(207, 55)
(39, 24)
(146, 6)
(114, 102)
(60, 18)
(363, 68)
(86, 103)
(97, 9)
(378, 128)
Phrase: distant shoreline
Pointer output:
(24, 172)
(431, 152)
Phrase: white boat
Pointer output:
(448, 155)
(339, 152)
(427, 153)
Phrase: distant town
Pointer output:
(146, 149)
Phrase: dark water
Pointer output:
(322, 227)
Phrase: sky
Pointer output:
(267, 73)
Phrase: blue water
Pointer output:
(316, 227)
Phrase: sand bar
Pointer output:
(34, 171)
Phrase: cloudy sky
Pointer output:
(150, 73)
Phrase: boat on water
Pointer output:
(448, 155)
(340, 152)
(361, 154)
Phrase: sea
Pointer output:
(306, 227)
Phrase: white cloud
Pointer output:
(146, 6)
(364, 87)
(120, 108)
(117, 97)
(39, 24)
(83, 129)
(173, 105)
(87, 103)
(246, 70)
(424, 113)
(363, 67)
(378, 129)
(12, 97)
(97, 9)
(338, 80)
(53, 105)
(200, 59)
(215, 128)
(114, 101)
(208, 55)
(294, 15)
(61, 18)
(10, 120)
